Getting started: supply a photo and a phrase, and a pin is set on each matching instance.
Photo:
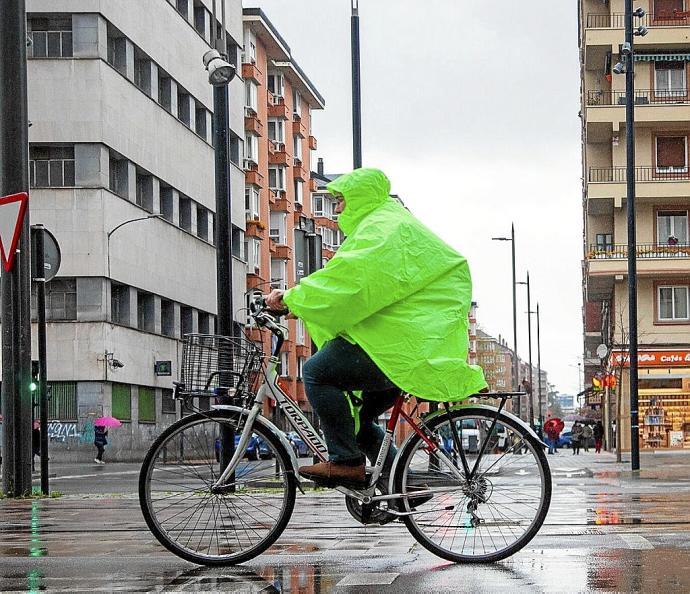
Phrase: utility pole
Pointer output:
(541, 406)
(16, 285)
(530, 392)
(356, 89)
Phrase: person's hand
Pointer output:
(274, 301)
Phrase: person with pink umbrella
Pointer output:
(101, 434)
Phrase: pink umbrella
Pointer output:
(107, 422)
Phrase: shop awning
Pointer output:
(677, 57)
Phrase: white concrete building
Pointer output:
(121, 129)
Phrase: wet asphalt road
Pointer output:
(606, 532)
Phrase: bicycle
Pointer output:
(477, 497)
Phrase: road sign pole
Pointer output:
(16, 287)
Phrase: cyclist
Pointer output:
(388, 312)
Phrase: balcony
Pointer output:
(278, 156)
(617, 20)
(664, 30)
(303, 350)
(313, 185)
(255, 229)
(652, 259)
(282, 203)
(610, 182)
(277, 108)
(312, 143)
(651, 105)
(253, 124)
(253, 177)
(283, 252)
(642, 97)
(250, 71)
(300, 172)
(298, 128)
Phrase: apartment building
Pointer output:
(662, 115)
(283, 233)
(122, 174)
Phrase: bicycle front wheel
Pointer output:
(214, 528)
(484, 518)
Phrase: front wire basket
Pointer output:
(219, 365)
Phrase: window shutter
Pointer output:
(670, 151)
(666, 7)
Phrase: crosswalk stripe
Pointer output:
(635, 541)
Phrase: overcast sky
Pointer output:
(472, 110)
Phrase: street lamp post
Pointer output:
(541, 407)
(516, 368)
(356, 88)
(628, 55)
(530, 390)
(110, 233)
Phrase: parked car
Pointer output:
(470, 437)
(298, 444)
(256, 449)
(565, 439)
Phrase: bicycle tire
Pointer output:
(149, 513)
(536, 447)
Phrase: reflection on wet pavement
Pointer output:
(604, 532)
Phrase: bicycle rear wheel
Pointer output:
(214, 528)
(489, 517)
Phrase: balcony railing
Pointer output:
(642, 174)
(642, 250)
(617, 20)
(642, 97)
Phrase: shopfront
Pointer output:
(664, 397)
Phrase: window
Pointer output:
(251, 202)
(236, 149)
(142, 71)
(202, 222)
(184, 105)
(669, 79)
(251, 147)
(122, 402)
(119, 304)
(667, 8)
(278, 227)
(605, 241)
(276, 130)
(144, 190)
(167, 207)
(204, 323)
(147, 404)
(200, 117)
(117, 50)
(165, 84)
(61, 299)
(276, 178)
(186, 213)
(200, 19)
(51, 166)
(300, 367)
(186, 320)
(297, 148)
(167, 317)
(145, 310)
(238, 243)
(317, 205)
(251, 95)
(672, 227)
(119, 176)
(284, 368)
(278, 273)
(62, 404)
(183, 8)
(167, 401)
(671, 153)
(275, 84)
(249, 54)
(252, 248)
(296, 103)
(673, 303)
(299, 193)
(50, 37)
(299, 333)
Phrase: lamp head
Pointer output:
(618, 68)
(641, 31)
(220, 72)
(639, 12)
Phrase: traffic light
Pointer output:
(33, 386)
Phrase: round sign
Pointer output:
(51, 255)
(602, 351)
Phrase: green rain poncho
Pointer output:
(395, 289)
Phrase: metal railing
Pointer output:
(642, 174)
(642, 97)
(617, 20)
(642, 251)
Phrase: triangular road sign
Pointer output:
(12, 209)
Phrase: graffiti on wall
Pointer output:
(62, 431)
(69, 432)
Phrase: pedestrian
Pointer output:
(586, 436)
(388, 313)
(598, 435)
(552, 435)
(100, 441)
(576, 438)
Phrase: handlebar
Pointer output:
(267, 318)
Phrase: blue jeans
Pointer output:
(339, 367)
(552, 445)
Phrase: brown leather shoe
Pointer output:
(331, 474)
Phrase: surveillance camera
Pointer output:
(626, 49)
(618, 68)
(117, 364)
(641, 31)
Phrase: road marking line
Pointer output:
(99, 474)
(635, 541)
(368, 579)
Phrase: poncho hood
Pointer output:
(364, 191)
(397, 290)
